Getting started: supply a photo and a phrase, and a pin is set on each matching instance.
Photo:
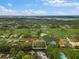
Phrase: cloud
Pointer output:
(72, 12)
(70, 4)
(53, 1)
(9, 4)
(27, 12)
(60, 3)
(34, 12)
(6, 11)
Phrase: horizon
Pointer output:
(39, 15)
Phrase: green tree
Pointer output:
(19, 55)
(53, 52)
(26, 57)
(39, 32)
(13, 51)
(75, 55)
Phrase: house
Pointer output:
(74, 44)
(29, 41)
(13, 36)
(41, 55)
(62, 43)
(43, 34)
(32, 53)
(52, 43)
(21, 36)
(39, 44)
(4, 36)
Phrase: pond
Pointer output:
(62, 55)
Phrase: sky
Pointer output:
(39, 7)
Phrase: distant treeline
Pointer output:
(14, 22)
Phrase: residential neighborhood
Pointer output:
(26, 38)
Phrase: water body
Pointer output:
(62, 55)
